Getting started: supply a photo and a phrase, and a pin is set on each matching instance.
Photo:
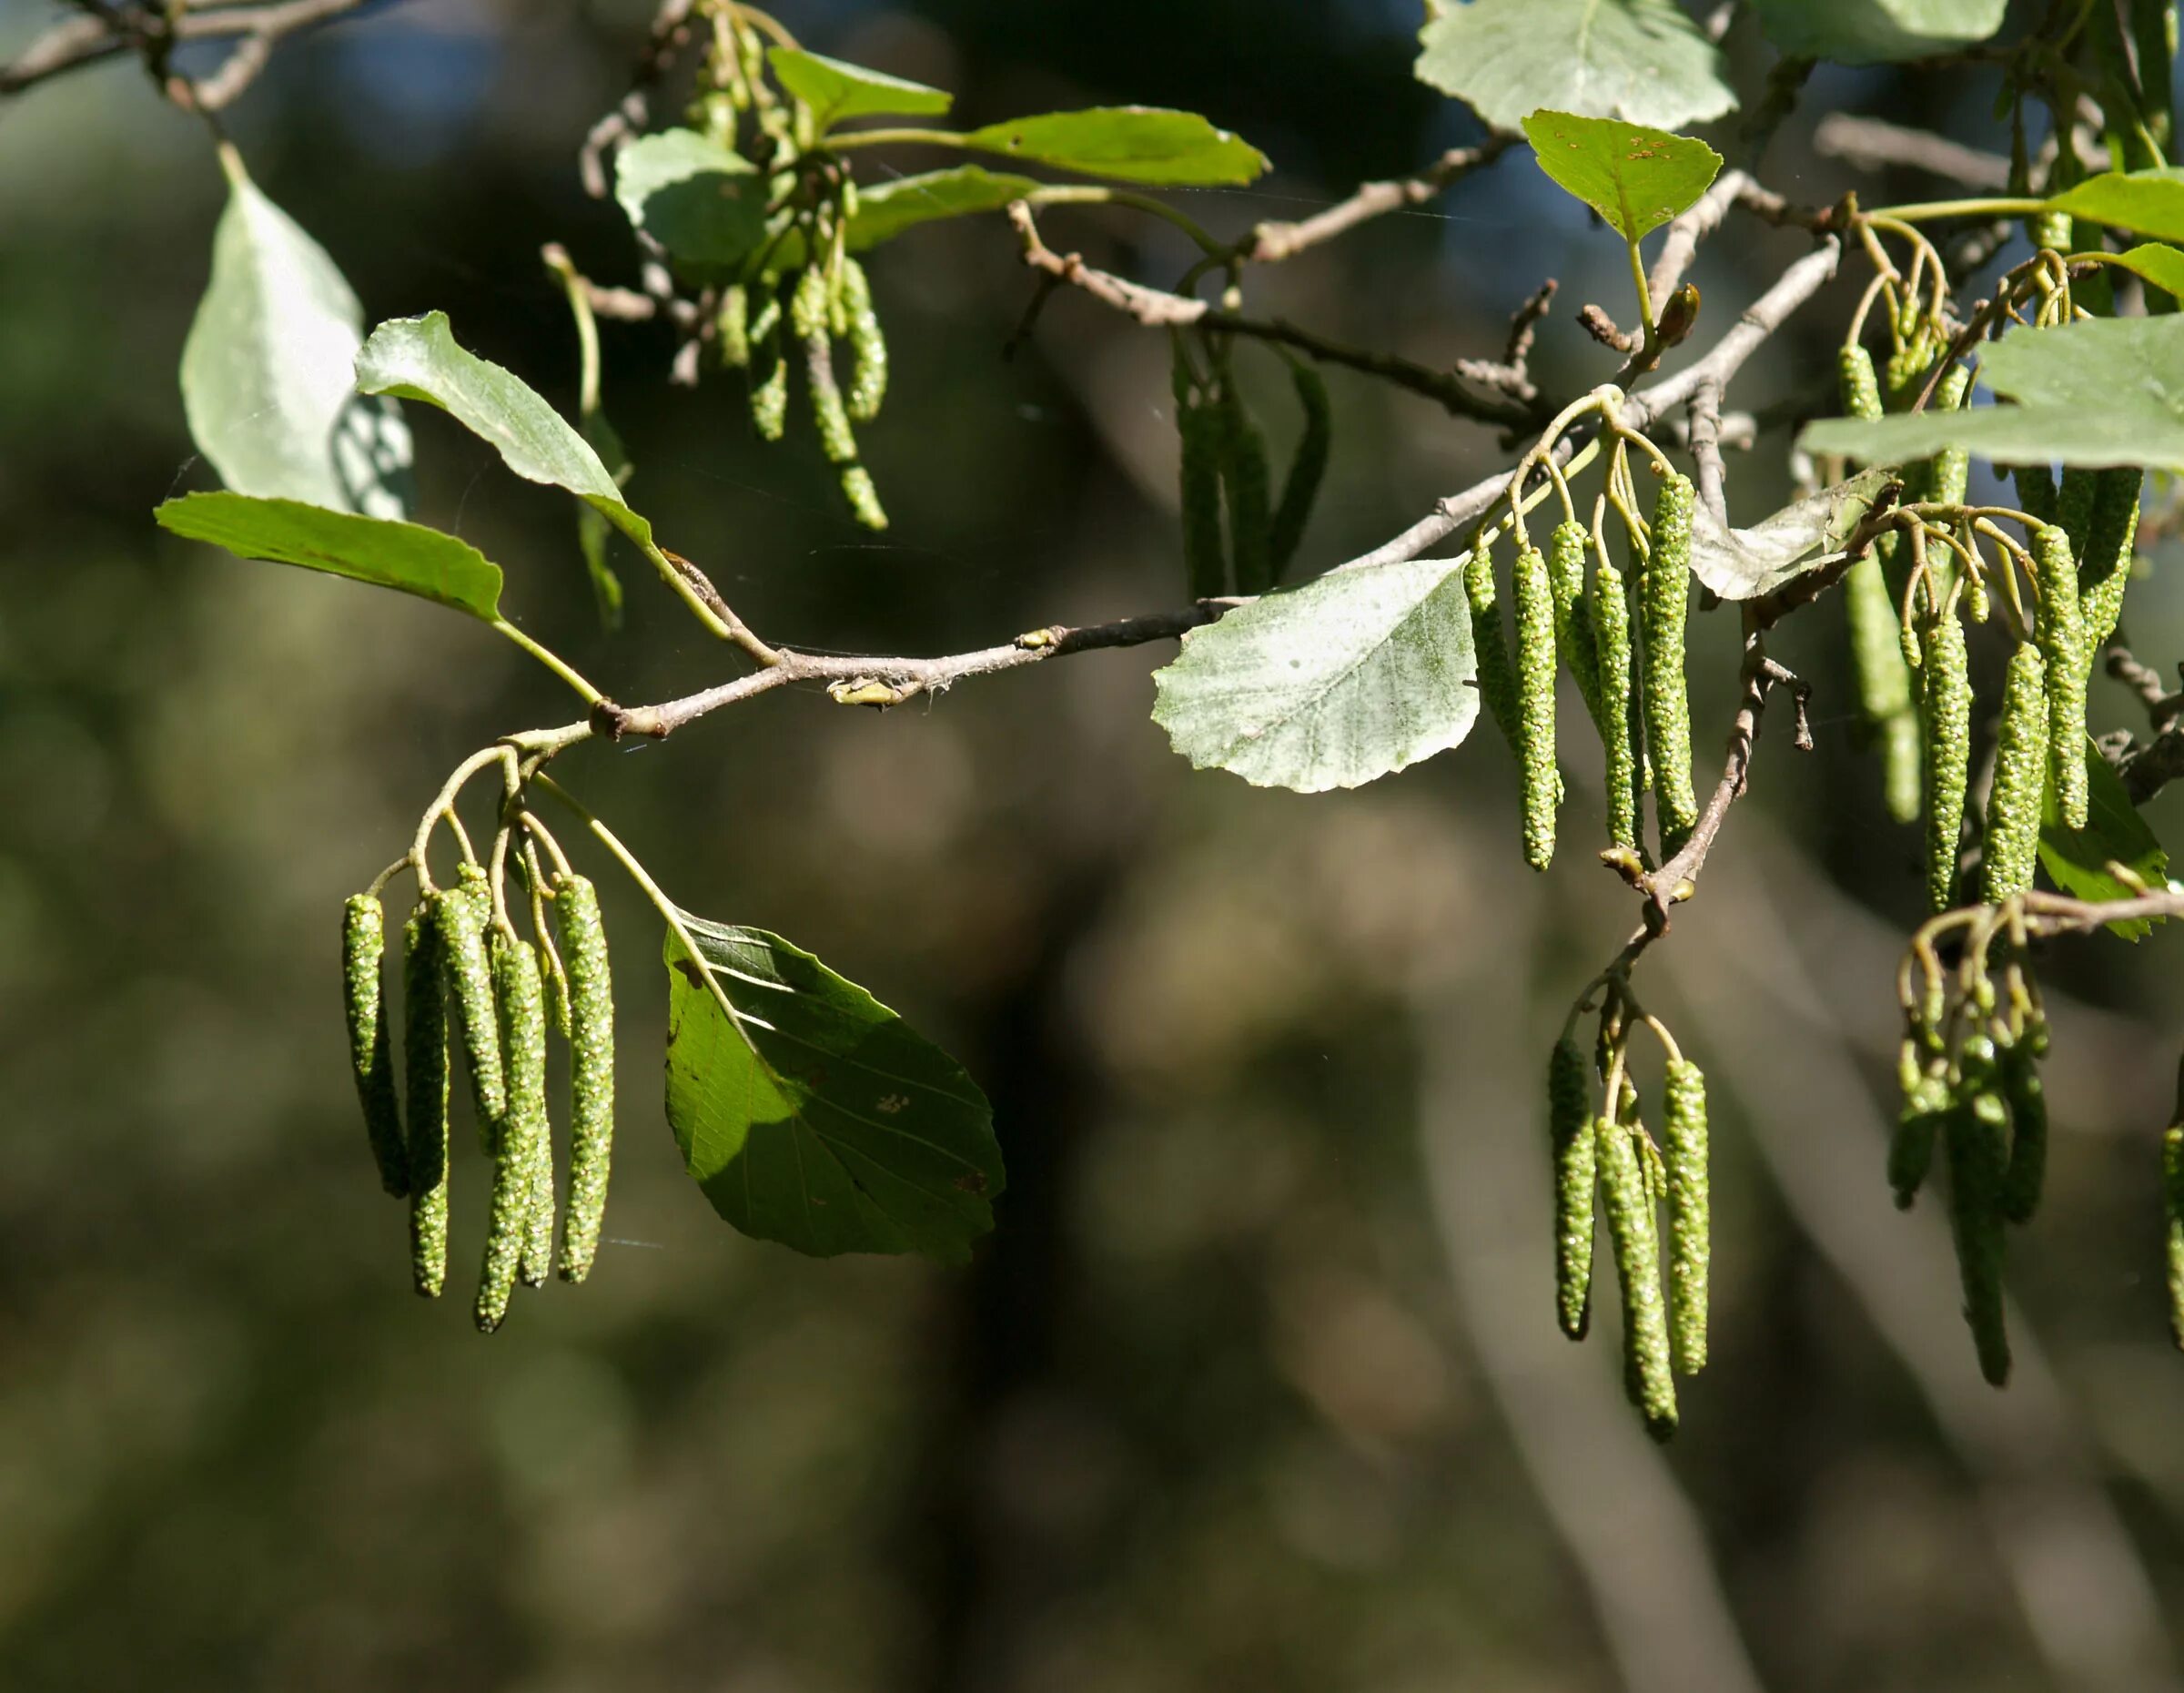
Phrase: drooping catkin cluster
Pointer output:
(471, 982)
(1603, 1159)
(1974, 1036)
(1225, 470)
(1884, 679)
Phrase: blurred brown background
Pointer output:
(1255, 1384)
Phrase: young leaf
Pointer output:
(2077, 860)
(2160, 265)
(419, 359)
(1873, 32)
(1636, 178)
(384, 550)
(703, 202)
(887, 209)
(2107, 391)
(267, 378)
(1640, 60)
(2143, 202)
(1743, 563)
(836, 91)
(1332, 685)
(1127, 143)
(812, 1115)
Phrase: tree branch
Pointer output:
(1270, 243)
(256, 30)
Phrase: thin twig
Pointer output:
(257, 29)
(1270, 243)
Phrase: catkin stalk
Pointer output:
(521, 1139)
(590, 1073)
(1535, 705)
(1667, 699)
(2061, 633)
(1631, 1232)
(370, 1043)
(425, 1069)
(1947, 712)
(1611, 618)
(1570, 1138)
(2013, 805)
(1684, 1153)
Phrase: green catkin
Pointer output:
(768, 372)
(1948, 474)
(1883, 684)
(868, 344)
(521, 1142)
(2026, 1171)
(370, 1043)
(425, 1069)
(1633, 1234)
(1667, 702)
(837, 438)
(1856, 381)
(1535, 705)
(1911, 1149)
(2062, 638)
(590, 1072)
(1308, 467)
(2035, 491)
(1245, 483)
(732, 327)
(1611, 619)
(460, 915)
(1683, 1153)
(2104, 569)
(1571, 1137)
(1197, 432)
(2051, 229)
(1946, 708)
(1574, 631)
(2173, 1210)
(1976, 1130)
(1489, 646)
(2013, 805)
(1907, 373)
(2075, 501)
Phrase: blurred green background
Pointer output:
(1256, 1384)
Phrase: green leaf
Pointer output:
(2162, 266)
(703, 202)
(2109, 392)
(1873, 32)
(885, 209)
(836, 91)
(2077, 860)
(417, 358)
(382, 551)
(1636, 178)
(1743, 563)
(812, 1115)
(267, 382)
(1640, 60)
(2143, 202)
(1331, 684)
(592, 528)
(1128, 143)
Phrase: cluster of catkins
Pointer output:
(1971, 1082)
(466, 977)
(1629, 671)
(1606, 1157)
(1224, 464)
(2080, 538)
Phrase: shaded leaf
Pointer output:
(812, 1115)
(382, 551)
(1644, 61)
(1743, 563)
(2144, 202)
(1636, 178)
(1331, 684)
(2077, 860)
(887, 209)
(836, 91)
(1873, 32)
(703, 202)
(1128, 143)
(268, 377)
(2160, 265)
(419, 359)
(2109, 392)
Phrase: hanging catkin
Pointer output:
(1684, 1154)
(1489, 646)
(1574, 631)
(1535, 705)
(2173, 1210)
(1667, 701)
(459, 916)
(370, 1043)
(2013, 805)
(517, 1144)
(1947, 707)
(2027, 1101)
(425, 1070)
(590, 1072)
(1571, 1137)
(1308, 467)
(1611, 618)
(2104, 570)
(2062, 638)
(1631, 1232)
(1976, 1132)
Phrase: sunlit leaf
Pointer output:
(703, 202)
(1128, 143)
(1645, 61)
(2144, 202)
(382, 551)
(1636, 178)
(1743, 563)
(887, 209)
(812, 1115)
(1332, 685)
(2162, 264)
(2077, 860)
(1872, 32)
(836, 91)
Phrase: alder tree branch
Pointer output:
(154, 32)
(1270, 243)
